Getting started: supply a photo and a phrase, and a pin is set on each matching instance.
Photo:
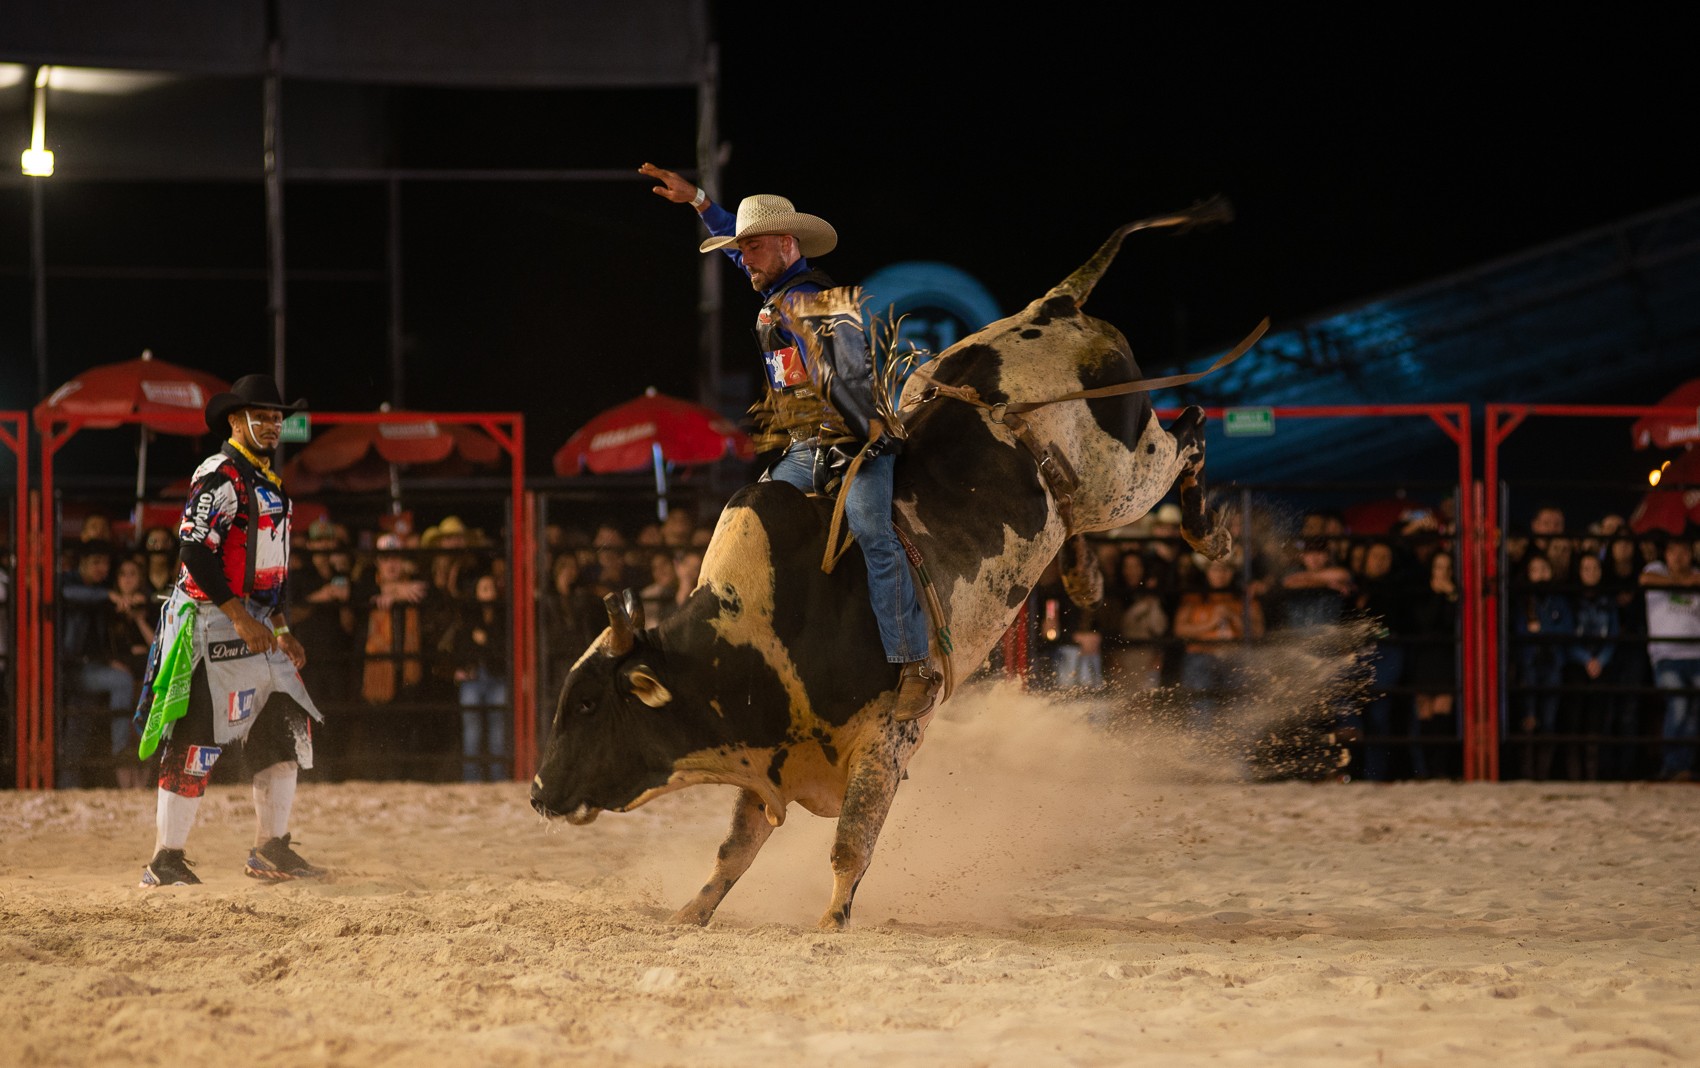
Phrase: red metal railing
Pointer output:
(14, 435)
(1498, 423)
(36, 752)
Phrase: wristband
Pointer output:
(700, 199)
(279, 632)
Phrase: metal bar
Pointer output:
(16, 437)
(38, 285)
(273, 142)
(398, 377)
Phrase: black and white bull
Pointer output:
(771, 677)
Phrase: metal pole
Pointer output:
(38, 282)
(398, 379)
(274, 187)
(710, 270)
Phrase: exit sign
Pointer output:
(297, 426)
(1249, 422)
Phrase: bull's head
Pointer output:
(608, 746)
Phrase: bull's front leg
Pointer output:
(749, 832)
(867, 801)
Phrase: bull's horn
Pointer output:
(634, 609)
(1078, 286)
(620, 634)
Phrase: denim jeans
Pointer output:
(867, 512)
(1210, 678)
(1387, 668)
(483, 727)
(1682, 713)
(1078, 669)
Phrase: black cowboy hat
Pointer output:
(249, 391)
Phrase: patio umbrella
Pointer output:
(1664, 432)
(652, 431)
(1674, 502)
(162, 397)
(365, 457)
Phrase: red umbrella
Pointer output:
(651, 430)
(163, 397)
(363, 457)
(1676, 501)
(1667, 433)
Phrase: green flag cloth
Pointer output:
(171, 686)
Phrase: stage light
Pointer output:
(37, 160)
(1657, 473)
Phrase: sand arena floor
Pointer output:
(1042, 895)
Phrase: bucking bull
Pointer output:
(771, 676)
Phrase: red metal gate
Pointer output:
(37, 702)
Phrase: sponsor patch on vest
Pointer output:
(785, 368)
(271, 502)
(235, 650)
(200, 760)
(241, 705)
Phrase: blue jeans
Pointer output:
(483, 727)
(1387, 667)
(867, 512)
(1211, 680)
(1076, 668)
(115, 687)
(1682, 713)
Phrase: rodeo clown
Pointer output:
(225, 668)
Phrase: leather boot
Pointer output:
(917, 688)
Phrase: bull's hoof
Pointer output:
(691, 916)
(1215, 545)
(834, 920)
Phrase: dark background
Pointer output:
(1360, 161)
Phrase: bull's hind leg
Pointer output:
(750, 829)
(867, 802)
(1203, 530)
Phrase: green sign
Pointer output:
(297, 426)
(1249, 422)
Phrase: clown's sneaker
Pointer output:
(169, 867)
(275, 860)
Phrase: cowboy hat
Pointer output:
(249, 391)
(768, 214)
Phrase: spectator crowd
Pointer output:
(1601, 667)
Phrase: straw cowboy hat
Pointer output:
(249, 391)
(452, 526)
(768, 214)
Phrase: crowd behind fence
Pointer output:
(408, 637)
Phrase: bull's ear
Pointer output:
(647, 688)
(620, 636)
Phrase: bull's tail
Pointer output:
(1078, 286)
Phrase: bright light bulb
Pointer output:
(1657, 473)
(38, 162)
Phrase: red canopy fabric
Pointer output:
(422, 441)
(356, 457)
(162, 396)
(624, 437)
(1664, 433)
(1669, 506)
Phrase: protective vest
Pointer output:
(782, 360)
